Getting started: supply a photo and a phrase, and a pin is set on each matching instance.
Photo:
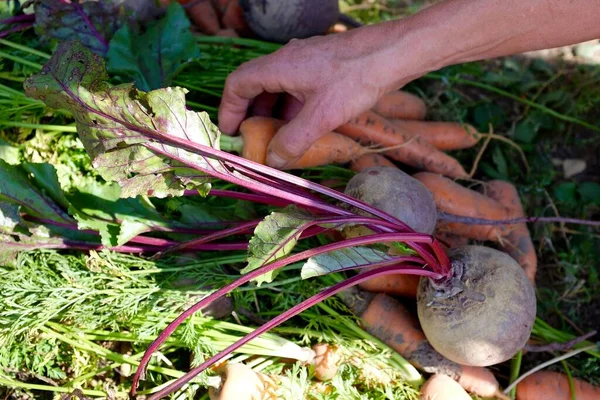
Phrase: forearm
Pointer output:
(457, 31)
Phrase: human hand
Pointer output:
(326, 81)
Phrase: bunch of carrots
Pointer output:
(394, 132)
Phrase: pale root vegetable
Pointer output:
(388, 320)
(484, 314)
(326, 361)
(393, 191)
(401, 105)
(442, 387)
(257, 132)
(517, 240)
(282, 20)
(549, 385)
(442, 135)
(500, 202)
(372, 129)
(240, 382)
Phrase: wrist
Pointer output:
(413, 49)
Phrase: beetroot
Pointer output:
(282, 20)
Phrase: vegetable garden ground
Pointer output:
(76, 319)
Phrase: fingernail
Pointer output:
(274, 161)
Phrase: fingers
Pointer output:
(241, 87)
(296, 137)
(263, 104)
(291, 108)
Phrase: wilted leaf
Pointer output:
(336, 260)
(150, 58)
(274, 238)
(91, 22)
(124, 130)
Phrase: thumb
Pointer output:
(294, 138)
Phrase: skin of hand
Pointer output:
(328, 80)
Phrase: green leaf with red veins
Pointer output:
(121, 127)
(150, 58)
(336, 260)
(91, 22)
(275, 237)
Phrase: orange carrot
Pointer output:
(240, 382)
(331, 148)
(227, 33)
(501, 202)
(233, 17)
(326, 361)
(442, 387)
(368, 161)
(388, 320)
(517, 241)
(451, 240)
(453, 198)
(257, 132)
(546, 385)
(396, 285)
(400, 104)
(371, 128)
(442, 135)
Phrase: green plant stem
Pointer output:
(569, 378)
(511, 96)
(231, 143)
(47, 388)
(546, 364)
(26, 49)
(549, 334)
(410, 373)
(20, 60)
(515, 369)
(90, 347)
(256, 44)
(59, 128)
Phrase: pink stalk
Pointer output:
(297, 309)
(14, 29)
(365, 240)
(193, 244)
(255, 198)
(18, 18)
(288, 182)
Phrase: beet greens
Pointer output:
(152, 145)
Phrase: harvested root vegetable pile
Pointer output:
(143, 254)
